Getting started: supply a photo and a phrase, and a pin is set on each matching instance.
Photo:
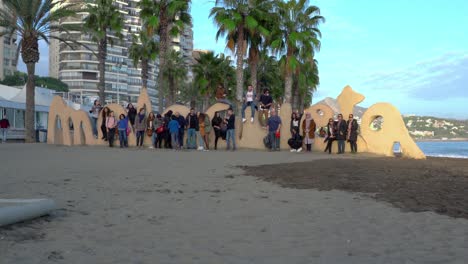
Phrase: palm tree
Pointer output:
(259, 36)
(104, 23)
(168, 18)
(235, 19)
(33, 20)
(209, 72)
(175, 73)
(143, 50)
(296, 30)
(305, 82)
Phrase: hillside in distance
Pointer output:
(419, 127)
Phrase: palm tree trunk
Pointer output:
(240, 68)
(30, 133)
(254, 58)
(144, 73)
(163, 47)
(288, 79)
(102, 54)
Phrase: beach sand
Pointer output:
(143, 206)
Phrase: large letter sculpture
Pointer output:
(250, 135)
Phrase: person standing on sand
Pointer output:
(174, 131)
(95, 115)
(104, 113)
(274, 127)
(151, 129)
(331, 135)
(216, 124)
(131, 113)
(111, 124)
(159, 130)
(230, 121)
(122, 126)
(352, 134)
(205, 129)
(140, 127)
(182, 125)
(249, 101)
(4, 126)
(308, 131)
(341, 134)
(192, 127)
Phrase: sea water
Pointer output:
(451, 149)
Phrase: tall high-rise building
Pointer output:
(7, 54)
(78, 66)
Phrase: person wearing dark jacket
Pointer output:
(192, 128)
(352, 134)
(216, 123)
(182, 124)
(295, 142)
(167, 133)
(140, 127)
(331, 135)
(230, 121)
(341, 133)
(295, 121)
(104, 113)
(131, 114)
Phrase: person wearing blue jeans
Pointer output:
(174, 130)
(274, 127)
(230, 121)
(341, 132)
(122, 126)
(192, 127)
(249, 100)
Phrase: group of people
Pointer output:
(171, 127)
(340, 130)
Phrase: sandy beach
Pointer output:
(146, 206)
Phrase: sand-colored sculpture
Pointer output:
(393, 130)
(182, 109)
(62, 119)
(144, 101)
(347, 100)
(378, 142)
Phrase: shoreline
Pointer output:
(442, 140)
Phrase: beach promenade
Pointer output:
(147, 206)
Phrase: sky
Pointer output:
(412, 54)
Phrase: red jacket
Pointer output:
(4, 123)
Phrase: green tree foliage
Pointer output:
(211, 71)
(144, 49)
(295, 37)
(235, 19)
(168, 19)
(20, 79)
(102, 20)
(175, 73)
(33, 20)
